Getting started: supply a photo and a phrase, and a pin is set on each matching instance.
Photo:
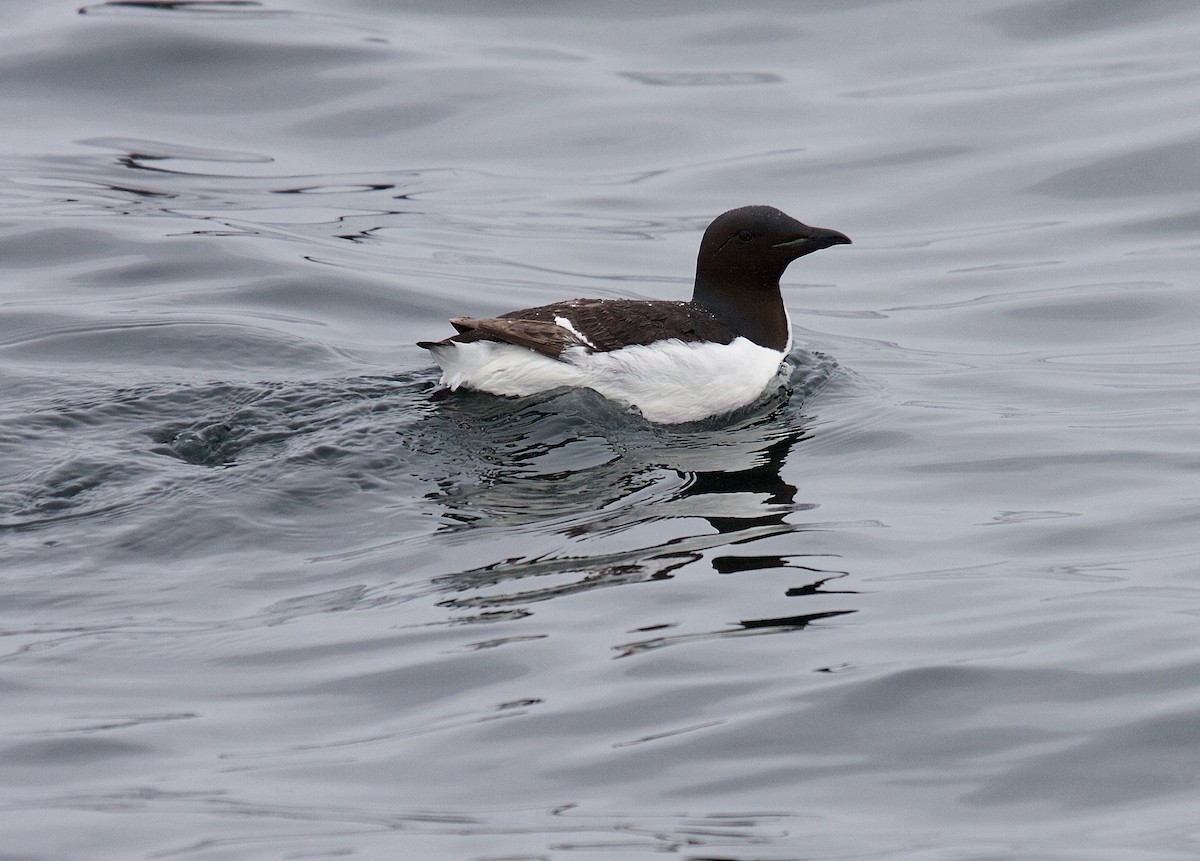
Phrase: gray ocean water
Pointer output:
(263, 597)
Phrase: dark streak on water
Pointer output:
(266, 595)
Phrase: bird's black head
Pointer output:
(753, 245)
(742, 257)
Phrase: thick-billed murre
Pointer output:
(674, 361)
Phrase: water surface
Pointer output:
(263, 596)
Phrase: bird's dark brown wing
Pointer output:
(601, 325)
(543, 337)
(610, 324)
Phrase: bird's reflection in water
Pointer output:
(573, 467)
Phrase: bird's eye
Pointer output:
(745, 236)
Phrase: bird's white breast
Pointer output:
(669, 381)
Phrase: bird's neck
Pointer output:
(754, 312)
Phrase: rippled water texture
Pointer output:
(265, 596)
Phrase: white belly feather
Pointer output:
(669, 382)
